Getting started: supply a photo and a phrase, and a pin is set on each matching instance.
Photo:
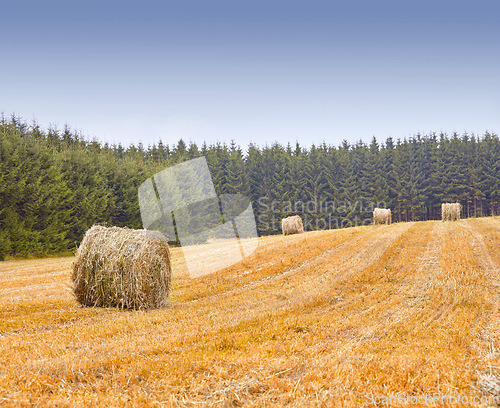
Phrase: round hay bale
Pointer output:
(122, 267)
(382, 216)
(292, 225)
(451, 211)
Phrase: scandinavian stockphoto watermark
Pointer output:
(214, 231)
(218, 231)
(433, 399)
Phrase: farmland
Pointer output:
(325, 318)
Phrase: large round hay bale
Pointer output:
(122, 267)
(382, 216)
(451, 211)
(292, 225)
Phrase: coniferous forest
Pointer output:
(55, 184)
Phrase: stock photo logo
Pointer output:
(214, 231)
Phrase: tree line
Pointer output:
(55, 184)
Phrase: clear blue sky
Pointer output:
(252, 71)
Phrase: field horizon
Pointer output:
(340, 318)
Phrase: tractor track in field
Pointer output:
(395, 311)
(369, 252)
(487, 367)
(488, 264)
(484, 258)
(444, 308)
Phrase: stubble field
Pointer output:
(341, 318)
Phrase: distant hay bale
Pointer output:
(450, 211)
(292, 225)
(122, 267)
(382, 216)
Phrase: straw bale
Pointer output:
(122, 267)
(382, 216)
(450, 211)
(292, 225)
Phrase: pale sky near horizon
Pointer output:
(252, 71)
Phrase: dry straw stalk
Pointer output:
(292, 225)
(382, 216)
(122, 267)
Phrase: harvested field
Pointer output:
(324, 318)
